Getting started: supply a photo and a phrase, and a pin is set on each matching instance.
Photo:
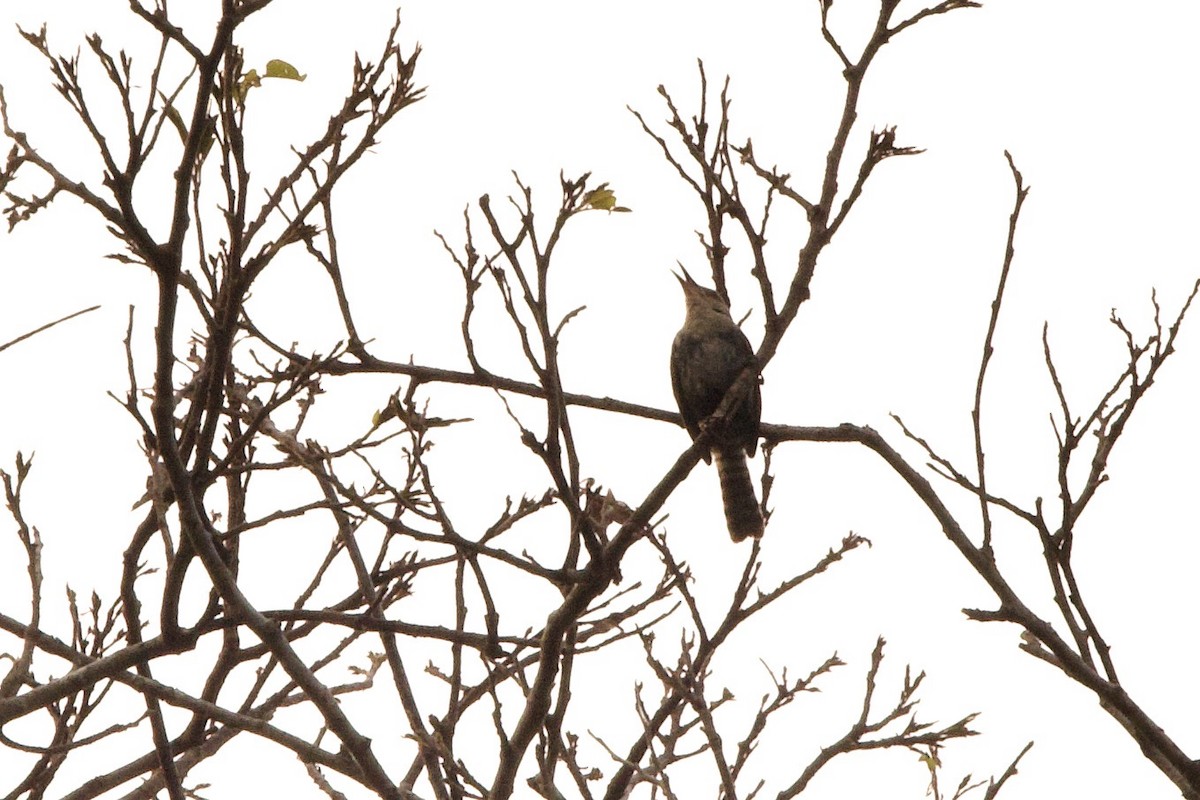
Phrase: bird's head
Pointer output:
(700, 299)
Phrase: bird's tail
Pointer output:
(737, 491)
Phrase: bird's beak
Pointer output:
(685, 280)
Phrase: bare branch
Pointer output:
(45, 327)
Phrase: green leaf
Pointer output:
(208, 135)
(282, 69)
(602, 198)
(248, 81)
(176, 118)
(208, 132)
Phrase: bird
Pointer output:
(707, 356)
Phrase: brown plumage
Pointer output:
(707, 356)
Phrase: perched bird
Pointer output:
(707, 356)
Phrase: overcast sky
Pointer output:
(1096, 101)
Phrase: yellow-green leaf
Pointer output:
(282, 69)
(603, 199)
(248, 81)
(208, 134)
(176, 119)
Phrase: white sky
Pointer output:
(1094, 98)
